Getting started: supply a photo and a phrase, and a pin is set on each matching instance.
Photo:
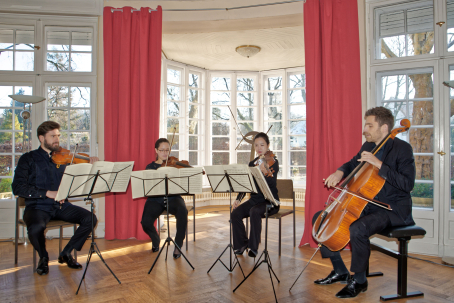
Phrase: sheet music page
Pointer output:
(240, 177)
(154, 183)
(101, 186)
(216, 176)
(174, 181)
(137, 184)
(195, 179)
(73, 186)
(261, 182)
(121, 179)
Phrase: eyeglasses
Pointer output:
(163, 150)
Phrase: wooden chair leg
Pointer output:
(159, 226)
(34, 260)
(186, 236)
(294, 221)
(75, 251)
(16, 244)
(280, 234)
(193, 216)
(60, 241)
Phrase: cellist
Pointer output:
(396, 165)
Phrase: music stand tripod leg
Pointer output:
(169, 239)
(266, 258)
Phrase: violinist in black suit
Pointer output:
(255, 207)
(396, 165)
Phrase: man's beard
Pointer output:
(50, 146)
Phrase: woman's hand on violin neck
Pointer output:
(235, 204)
(263, 168)
(370, 158)
(93, 159)
(334, 179)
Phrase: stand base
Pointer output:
(232, 267)
(166, 245)
(396, 297)
(94, 248)
(266, 260)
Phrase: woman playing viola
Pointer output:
(155, 205)
(255, 207)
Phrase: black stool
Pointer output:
(403, 234)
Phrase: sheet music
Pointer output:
(121, 179)
(240, 178)
(73, 186)
(215, 174)
(102, 185)
(195, 179)
(264, 188)
(137, 184)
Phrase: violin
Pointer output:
(174, 162)
(65, 157)
(269, 159)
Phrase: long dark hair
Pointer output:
(158, 142)
(264, 136)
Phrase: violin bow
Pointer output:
(242, 136)
(75, 150)
(170, 150)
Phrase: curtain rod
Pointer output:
(213, 9)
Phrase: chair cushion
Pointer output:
(281, 213)
(403, 231)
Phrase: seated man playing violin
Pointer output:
(37, 179)
(396, 165)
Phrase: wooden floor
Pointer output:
(175, 281)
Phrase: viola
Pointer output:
(358, 189)
(66, 157)
(269, 159)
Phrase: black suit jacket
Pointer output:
(399, 171)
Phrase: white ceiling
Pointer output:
(208, 39)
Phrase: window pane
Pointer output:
(276, 128)
(173, 76)
(244, 145)
(6, 119)
(297, 80)
(245, 84)
(274, 83)
(193, 143)
(25, 61)
(80, 119)
(220, 83)
(80, 62)
(58, 41)
(421, 112)
(193, 158)
(298, 96)
(245, 113)
(81, 138)
(298, 175)
(275, 113)
(273, 98)
(297, 142)
(193, 127)
(421, 86)
(171, 123)
(194, 80)
(6, 142)
(6, 38)
(60, 116)
(173, 109)
(246, 127)
(297, 111)
(298, 158)
(220, 113)
(422, 195)
(298, 127)
(57, 96)
(4, 92)
(193, 111)
(173, 93)
(393, 87)
(58, 62)
(245, 99)
(243, 158)
(220, 128)
(6, 164)
(176, 141)
(220, 143)
(80, 96)
(6, 60)
(25, 40)
(193, 95)
(20, 146)
(220, 158)
(220, 98)
(81, 41)
(276, 143)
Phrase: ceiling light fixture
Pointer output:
(248, 50)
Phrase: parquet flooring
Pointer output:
(175, 281)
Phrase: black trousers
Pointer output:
(256, 213)
(36, 221)
(153, 209)
(373, 220)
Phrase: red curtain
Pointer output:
(132, 75)
(333, 83)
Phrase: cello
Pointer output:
(358, 189)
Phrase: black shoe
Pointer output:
(69, 260)
(240, 251)
(332, 278)
(176, 253)
(154, 249)
(252, 253)
(352, 289)
(43, 266)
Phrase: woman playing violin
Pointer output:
(255, 207)
(395, 163)
(155, 205)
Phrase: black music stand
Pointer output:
(229, 178)
(94, 178)
(169, 239)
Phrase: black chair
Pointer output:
(20, 203)
(285, 191)
(189, 208)
(403, 235)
